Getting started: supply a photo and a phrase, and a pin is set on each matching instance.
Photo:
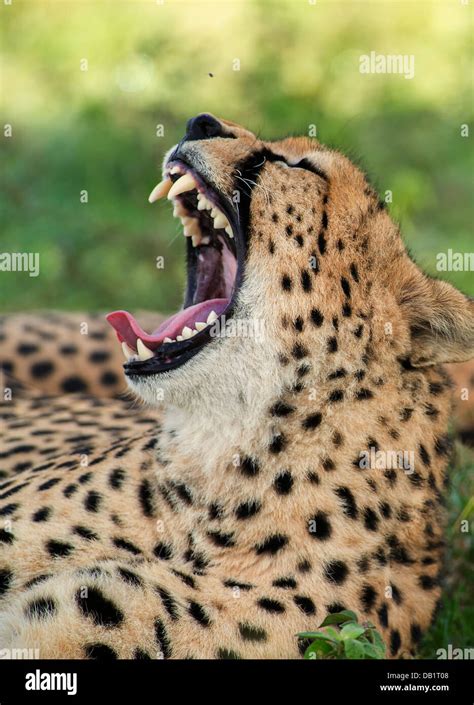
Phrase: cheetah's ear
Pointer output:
(441, 320)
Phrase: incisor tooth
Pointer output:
(202, 203)
(199, 325)
(175, 170)
(127, 352)
(143, 352)
(229, 232)
(214, 211)
(196, 239)
(187, 332)
(220, 221)
(179, 338)
(212, 317)
(178, 209)
(160, 190)
(168, 340)
(184, 183)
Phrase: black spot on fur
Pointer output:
(336, 572)
(249, 632)
(272, 544)
(368, 597)
(332, 345)
(145, 495)
(162, 639)
(249, 467)
(130, 577)
(102, 611)
(286, 283)
(349, 505)
(126, 545)
(317, 317)
(100, 652)
(277, 444)
(116, 478)
(199, 614)
(92, 501)
(42, 514)
(58, 549)
(285, 583)
(395, 641)
(281, 408)
(371, 520)
(41, 608)
(272, 606)
(6, 577)
(305, 604)
(283, 482)
(85, 533)
(73, 384)
(248, 509)
(319, 527)
(312, 421)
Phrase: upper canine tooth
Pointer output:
(127, 351)
(143, 352)
(199, 325)
(212, 317)
(160, 190)
(229, 232)
(220, 221)
(184, 183)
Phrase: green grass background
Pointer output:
(152, 64)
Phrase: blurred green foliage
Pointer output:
(150, 64)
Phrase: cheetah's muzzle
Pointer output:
(214, 271)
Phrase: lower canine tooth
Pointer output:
(186, 332)
(212, 317)
(220, 221)
(199, 325)
(128, 352)
(143, 352)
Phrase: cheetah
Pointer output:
(261, 483)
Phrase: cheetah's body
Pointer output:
(185, 538)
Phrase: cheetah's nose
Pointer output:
(202, 127)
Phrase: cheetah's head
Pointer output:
(291, 259)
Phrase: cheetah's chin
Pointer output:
(214, 272)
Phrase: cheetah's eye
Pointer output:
(214, 267)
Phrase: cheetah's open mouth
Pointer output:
(214, 270)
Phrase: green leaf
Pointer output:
(372, 652)
(319, 649)
(315, 635)
(354, 649)
(332, 633)
(351, 631)
(377, 641)
(339, 618)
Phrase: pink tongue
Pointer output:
(128, 330)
